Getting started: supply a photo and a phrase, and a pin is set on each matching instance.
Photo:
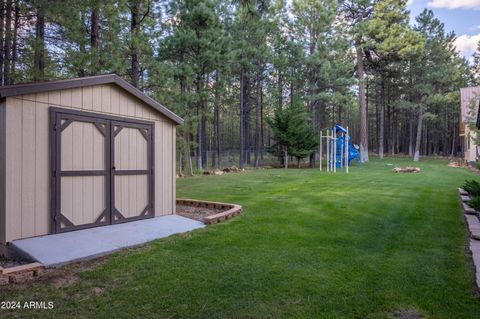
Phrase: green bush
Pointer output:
(472, 187)
(477, 165)
(475, 203)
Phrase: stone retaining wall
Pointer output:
(19, 274)
(231, 210)
(473, 222)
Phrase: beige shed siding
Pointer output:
(83, 148)
(27, 154)
(2, 171)
(131, 191)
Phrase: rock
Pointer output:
(218, 172)
(180, 175)
(468, 210)
(206, 173)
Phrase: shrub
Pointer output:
(472, 187)
(477, 165)
(475, 203)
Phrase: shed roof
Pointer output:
(19, 89)
(469, 102)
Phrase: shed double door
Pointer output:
(102, 170)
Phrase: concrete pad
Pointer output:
(475, 248)
(60, 249)
(473, 226)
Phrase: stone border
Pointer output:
(19, 274)
(232, 210)
(473, 223)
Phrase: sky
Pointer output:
(459, 16)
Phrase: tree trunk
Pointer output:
(285, 158)
(262, 144)
(95, 40)
(363, 106)
(198, 150)
(13, 64)
(381, 125)
(8, 40)
(216, 125)
(81, 48)
(410, 135)
(452, 152)
(39, 55)
(201, 137)
(246, 110)
(190, 165)
(280, 91)
(258, 109)
(135, 52)
(242, 120)
(416, 156)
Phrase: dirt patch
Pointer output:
(62, 277)
(98, 291)
(67, 280)
(197, 213)
(407, 169)
(456, 164)
(405, 314)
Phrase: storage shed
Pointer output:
(82, 153)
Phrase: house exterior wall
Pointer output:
(27, 152)
(469, 101)
(470, 145)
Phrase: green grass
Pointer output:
(370, 244)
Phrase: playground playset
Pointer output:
(340, 152)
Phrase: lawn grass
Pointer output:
(371, 244)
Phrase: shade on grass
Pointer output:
(371, 244)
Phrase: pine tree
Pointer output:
(293, 133)
(476, 64)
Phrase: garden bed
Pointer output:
(207, 212)
(12, 272)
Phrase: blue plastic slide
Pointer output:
(352, 151)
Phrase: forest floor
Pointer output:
(370, 244)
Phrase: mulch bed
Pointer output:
(7, 263)
(197, 213)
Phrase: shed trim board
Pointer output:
(26, 147)
(109, 127)
(21, 89)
